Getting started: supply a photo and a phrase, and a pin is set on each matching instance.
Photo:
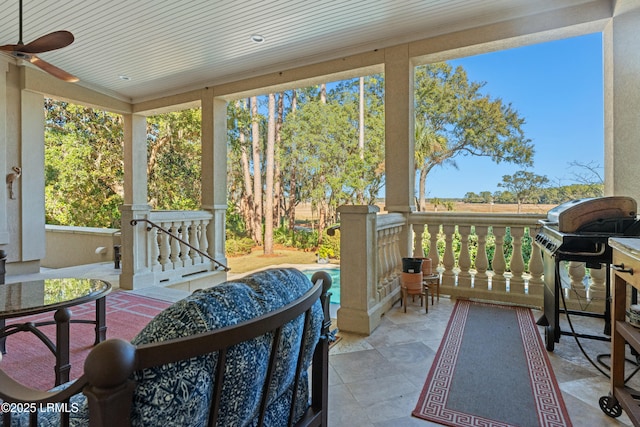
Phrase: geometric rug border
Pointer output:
(431, 405)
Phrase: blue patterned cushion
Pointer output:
(179, 394)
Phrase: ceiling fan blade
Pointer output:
(51, 41)
(52, 69)
(10, 47)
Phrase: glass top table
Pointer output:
(41, 296)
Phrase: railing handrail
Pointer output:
(134, 222)
(476, 218)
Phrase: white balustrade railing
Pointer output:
(390, 229)
(170, 259)
(475, 276)
(372, 247)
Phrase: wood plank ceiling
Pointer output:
(166, 45)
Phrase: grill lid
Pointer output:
(571, 216)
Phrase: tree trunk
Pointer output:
(257, 173)
(360, 193)
(247, 210)
(422, 186)
(277, 187)
(269, 179)
(292, 179)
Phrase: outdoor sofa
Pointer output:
(248, 352)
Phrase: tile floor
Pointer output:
(375, 380)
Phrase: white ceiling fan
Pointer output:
(46, 43)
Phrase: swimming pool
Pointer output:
(335, 281)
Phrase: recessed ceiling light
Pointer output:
(257, 38)
(124, 77)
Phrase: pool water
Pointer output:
(335, 281)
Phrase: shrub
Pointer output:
(330, 247)
(238, 246)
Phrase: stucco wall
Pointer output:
(69, 246)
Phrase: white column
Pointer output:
(214, 170)
(136, 261)
(4, 70)
(622, 103)
(29, 189)
(399, 135)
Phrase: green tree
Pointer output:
(174, 153)
(454, 118)
(83, 166)
(524, 185)
(84, 172)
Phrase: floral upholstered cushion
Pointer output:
(179, 394)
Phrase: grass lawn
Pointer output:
(256, 259)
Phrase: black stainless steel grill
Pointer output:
(579, 231)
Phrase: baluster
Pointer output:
(396, 259)
(184, 248)
(175, 244)
(448, 276)
(196, 258)
(165, 248)
(481, 281)
(499, 264)
(418, 231)
(516, 284)
(434, 229)
(204, 243)
(464, 260)
(536, 267)
(154, 249)
(383, 242)
(577, 272)
(597, 288)
(383, 257)
(387, 254)
(382, 263)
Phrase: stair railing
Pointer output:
(218, 264)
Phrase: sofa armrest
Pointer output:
(316, 415)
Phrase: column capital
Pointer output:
(358, 209)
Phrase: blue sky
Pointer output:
(558, 88)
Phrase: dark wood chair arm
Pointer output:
(13, 391)
(317, 414)
(108, 368)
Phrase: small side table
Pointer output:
(420, 292)
(427, 281)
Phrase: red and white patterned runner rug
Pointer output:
(492, 370)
